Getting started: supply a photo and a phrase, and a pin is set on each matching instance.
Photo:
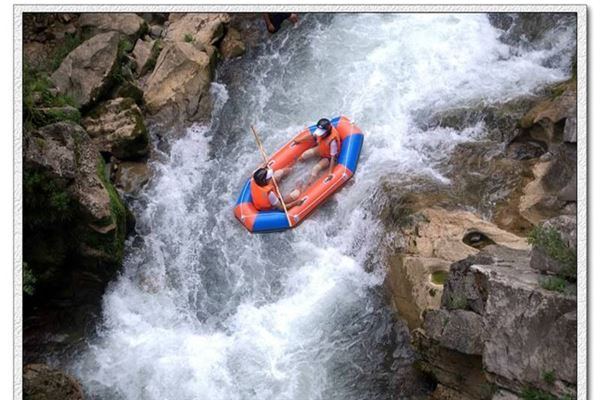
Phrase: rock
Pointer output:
(130, 90)
(86, 73)
(40, 382)
(459, 376)
(504, 395)
(146, 53)
(203, 28)
(64, 152)
(179, 84)
(430, 244)
(443, 392)
(458, 330)
(543, 254)
(570, 130)
(156, 31)
(546, 120)
(232, 45)
(127, 24)
(132, 176)
(528, 332)
(48, 115)
(553, 186)
(117, 127)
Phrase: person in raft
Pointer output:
(263, 192)
(327, 146)
(274, 20)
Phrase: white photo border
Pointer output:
(582, 124)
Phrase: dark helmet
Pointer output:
(323, 127)
(261, 176)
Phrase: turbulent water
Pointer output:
(205, 310)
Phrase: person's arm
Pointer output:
(333, 149)
(270, 26)
(308, 138)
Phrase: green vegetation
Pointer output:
(536, 394)
(29, 280)
(458, 302)
(69, 44)
(553, 283)
(548, 377)
(188, 38)
(439, 277)
(45, 200)
(549, 240)
(37, 96)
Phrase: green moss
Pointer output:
(554, 283)
(548, 377)
(536, 394)
(188, 38)
(112, 243)
(67, 45)
(458, 302)
(45, 200)
(37, 94)
(29, 280)
(549, 240)
(439, 277)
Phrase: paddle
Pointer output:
(264, 155)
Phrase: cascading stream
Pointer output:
(204, 310)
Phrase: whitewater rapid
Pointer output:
(204, 310)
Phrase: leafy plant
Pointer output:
(548, 377)
(550, 241)
(553, 283)
(188, 38)
(29, 280)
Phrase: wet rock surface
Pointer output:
(41, 382)
(86, 73)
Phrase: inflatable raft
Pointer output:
(319, 191)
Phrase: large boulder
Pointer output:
(145, 54)
(131, 176)
(177, 89)
(555, 246)
(68, 159)
(117, 127)
(232, 45)
(494, 306)
(87, 72)
(203, 28)
(41, 382)
(128, 24)
(431, 243)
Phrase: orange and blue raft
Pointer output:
(319, 191)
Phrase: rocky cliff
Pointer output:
(95, 88)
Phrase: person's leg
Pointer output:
(321, 165)
(308, 154)
(281, 173)
(293, 195)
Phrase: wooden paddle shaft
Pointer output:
(264, 155)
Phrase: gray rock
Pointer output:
(504, 395)
(128, 24)
(118, 127)
(570, 130)
(131, 177)
(458, 330)
(232, 45)
(178, 88)
(527, 331)
(49, 115)
(141, 53)
(86, 73)
(40, 382)
(156, 31)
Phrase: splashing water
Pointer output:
(204, 310)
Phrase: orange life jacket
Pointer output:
(325, 143)
(260, 195)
